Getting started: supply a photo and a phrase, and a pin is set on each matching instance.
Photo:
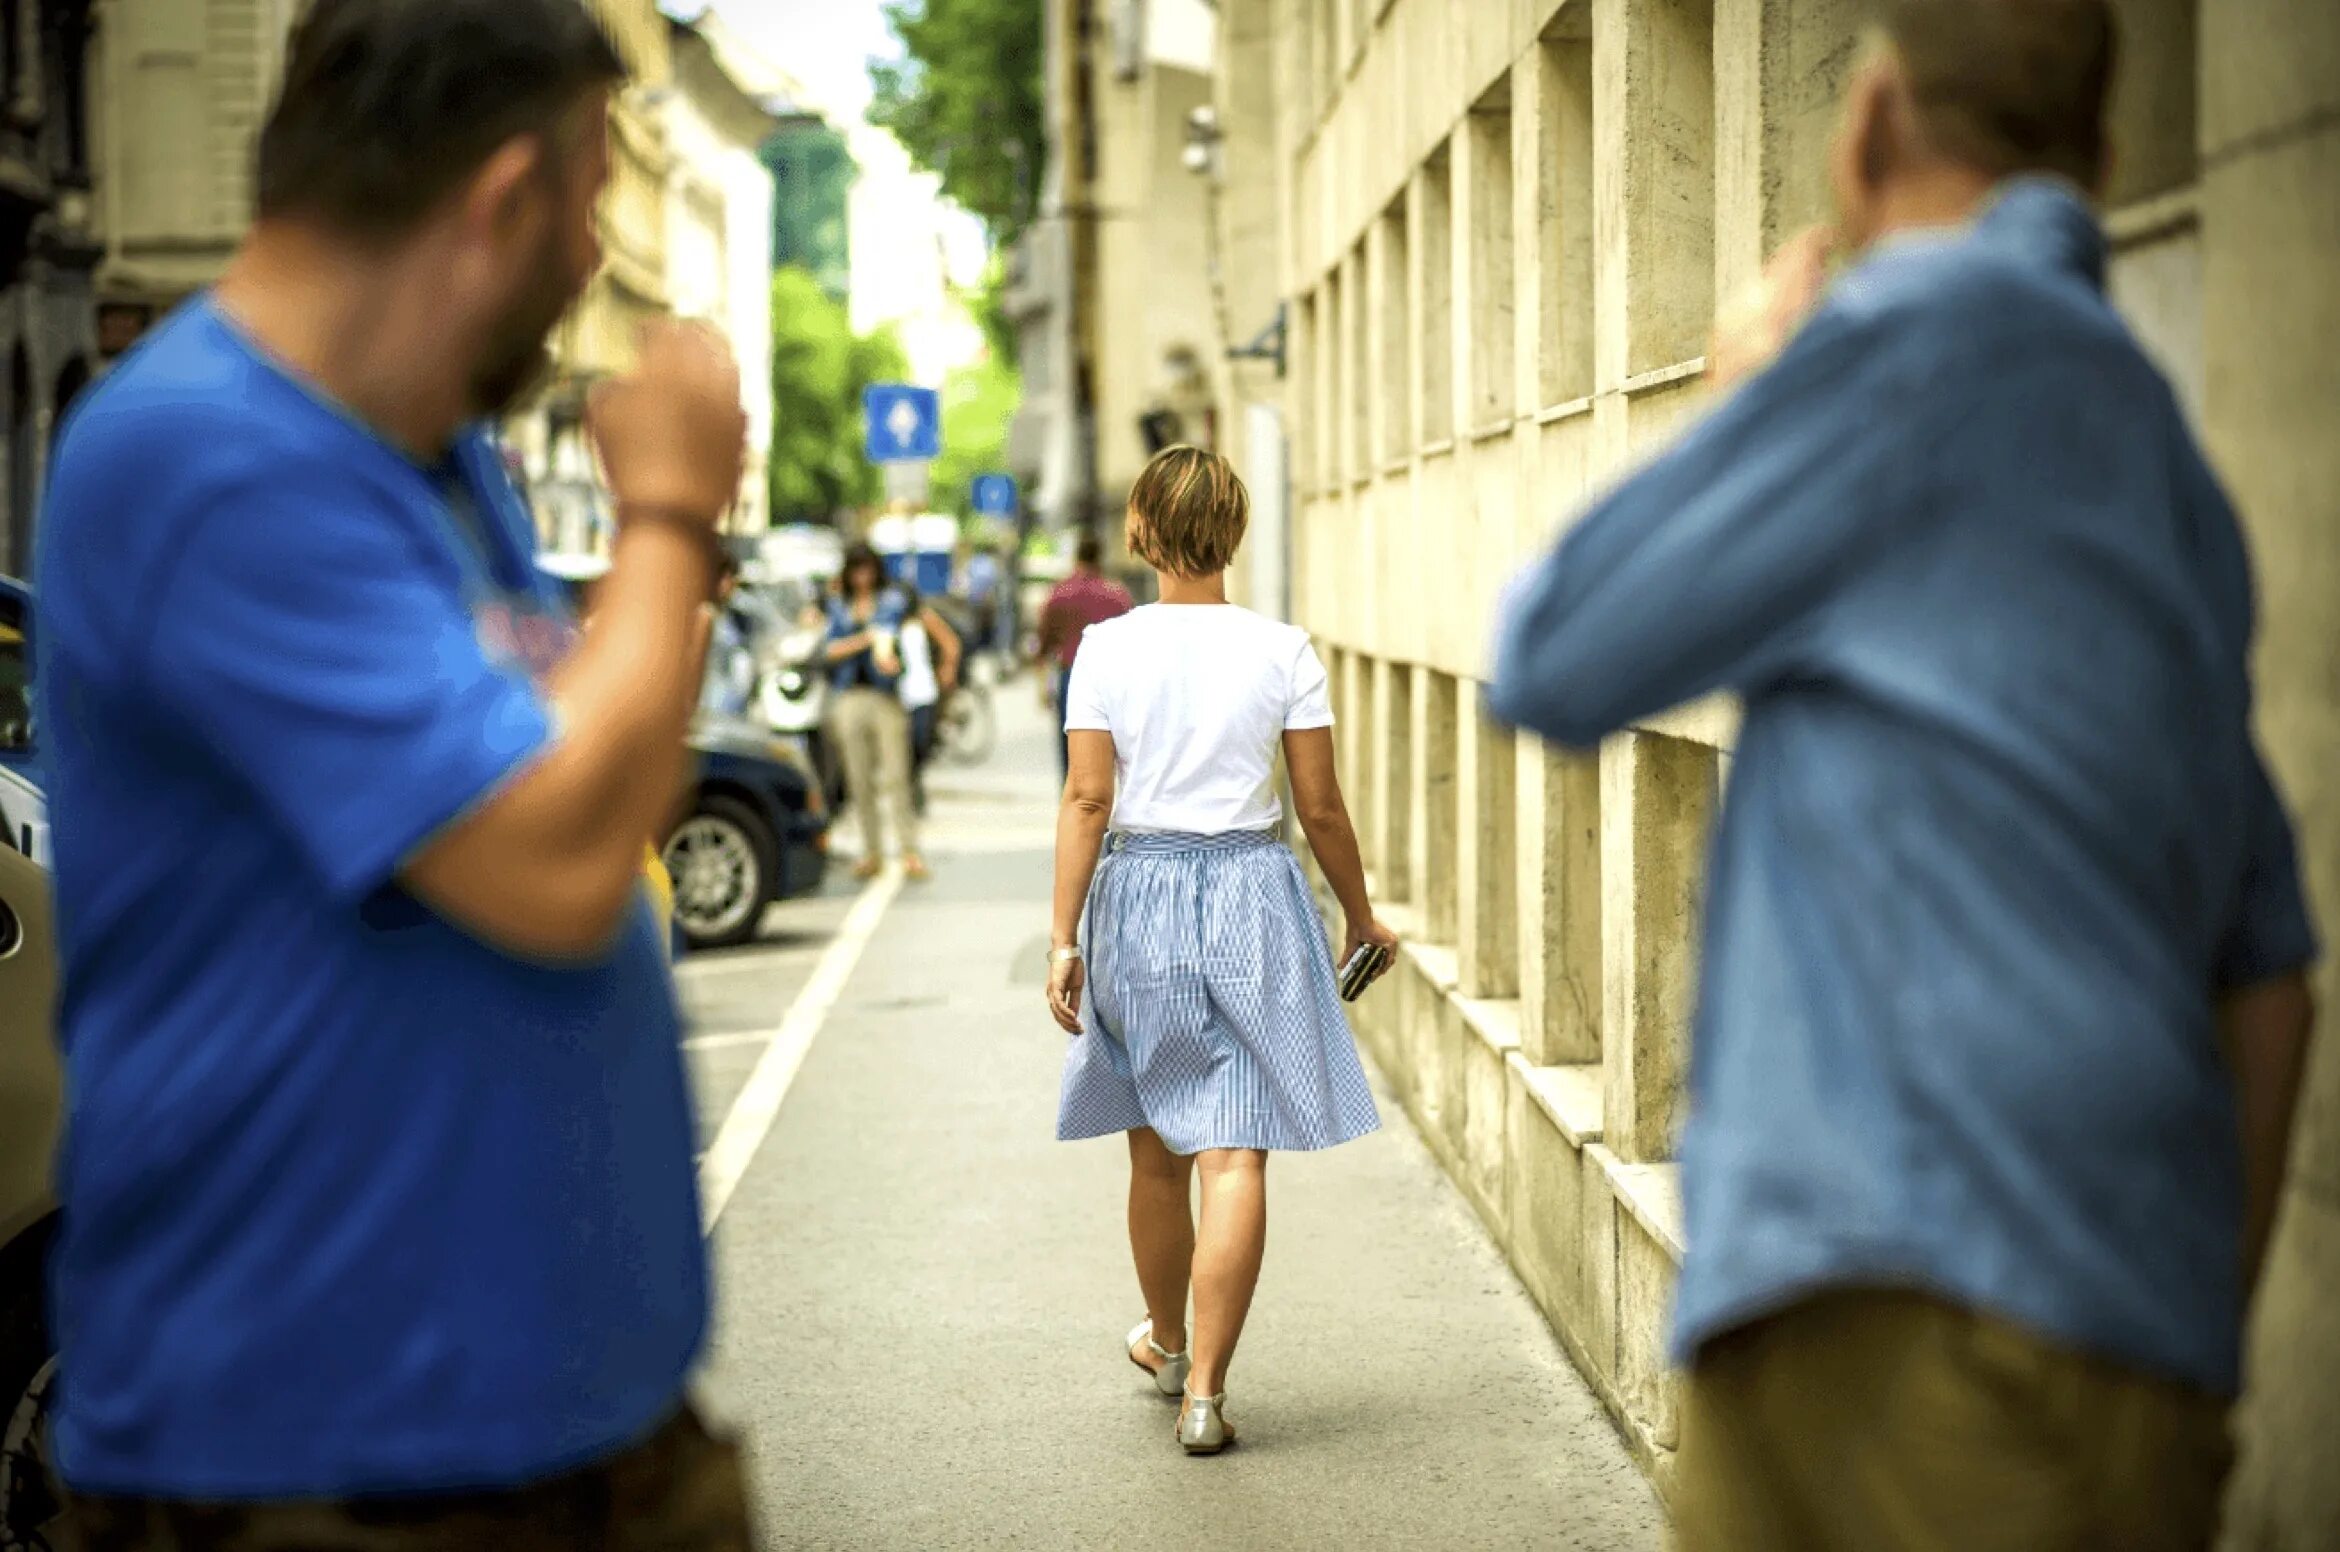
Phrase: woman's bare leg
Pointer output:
(1226, 1259)
(1161, 1236)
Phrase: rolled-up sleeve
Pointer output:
(1696, 573)
(2270, 932)
(345, 685)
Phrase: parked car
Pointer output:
(757, 826)
(757, 831)
(31, 1107)
(17, 749)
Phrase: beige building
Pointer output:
(181, 89)
(1500, 227)
(1126, 234)
(597, 338)
(719, 221)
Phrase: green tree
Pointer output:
(812, 185)
(977, 403)
(819, 369)
(986, 303)
(966, 102)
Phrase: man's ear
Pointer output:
(1866, 147)
(498, 198)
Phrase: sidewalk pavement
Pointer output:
(923, 1293)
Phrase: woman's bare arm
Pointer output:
(1324, 818)
(1080, 835)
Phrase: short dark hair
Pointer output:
(2010, 86)
(387, 106)
(1089, 550)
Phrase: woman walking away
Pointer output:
(1215, 1033)
(872, 728)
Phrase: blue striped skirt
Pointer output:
(1214, 1018)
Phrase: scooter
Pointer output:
(792, 697)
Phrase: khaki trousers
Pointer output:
(1895, 1422)
(873, 736)
(681, 1490)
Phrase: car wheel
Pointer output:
(32, 1509)
(723, 860)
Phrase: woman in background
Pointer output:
(931, 655)
(1216, 1033)
(872, 727)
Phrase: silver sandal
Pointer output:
(1202, 1425)
(1170, 1378)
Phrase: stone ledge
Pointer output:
(1496, 1021)
(2164, 215)
(1570, 1097)
(1652, 1193)
(1567, 409)
(1663, 377)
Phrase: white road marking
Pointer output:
(692, 971)
(725, 1040)
(750, 1118)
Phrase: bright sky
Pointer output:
(826, 44)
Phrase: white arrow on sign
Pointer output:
(902, 421)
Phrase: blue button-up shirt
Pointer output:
(1996, 832)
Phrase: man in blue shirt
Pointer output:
(2003, 924)
(380, 1225)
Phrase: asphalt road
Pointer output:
(922, 1293)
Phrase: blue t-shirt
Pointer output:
(353, 1202)
(1997, 832)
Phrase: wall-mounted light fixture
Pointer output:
(1203, 139)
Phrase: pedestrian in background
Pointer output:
(2004, 927)
(1216, 1032)
(1081, 600)
(985, 580)
(872, 725)
(729, 685)
(380, 1222)
(931, 658)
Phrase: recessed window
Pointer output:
(1494, 299)
(1397, 336)
(1435, 237)
(1564, 210)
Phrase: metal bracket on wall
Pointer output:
(1267, 345)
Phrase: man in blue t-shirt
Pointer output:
(2002, 990)
(378, 1175)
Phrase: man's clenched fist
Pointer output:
(671, 433)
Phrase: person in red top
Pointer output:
(1087, 597)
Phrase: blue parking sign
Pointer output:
(905, 423)
(995, 495)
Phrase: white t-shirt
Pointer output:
(918, 686)
(1197, 697)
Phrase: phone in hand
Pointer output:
(1363, 968)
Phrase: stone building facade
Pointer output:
(1500, 228)
(1123, 249)
(596, 339)
(720, 226)
(48, 253)
(181, 90)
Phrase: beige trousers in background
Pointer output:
(873, 735)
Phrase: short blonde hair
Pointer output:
(1188, 513)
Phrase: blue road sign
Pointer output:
(995, 495)
(905, 423)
